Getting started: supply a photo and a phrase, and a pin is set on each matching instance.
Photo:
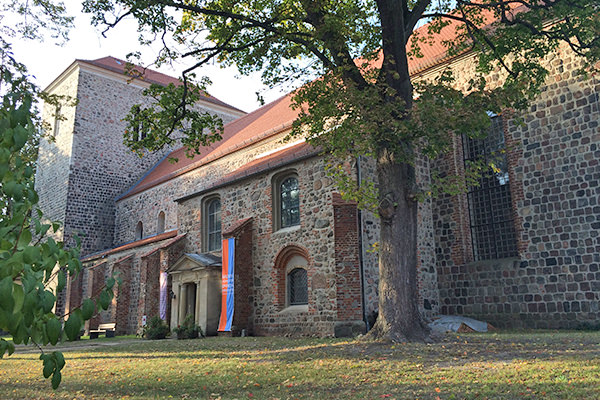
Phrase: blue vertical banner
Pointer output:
(227, 294)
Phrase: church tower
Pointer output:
(85, 165)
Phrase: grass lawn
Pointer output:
(513, 365)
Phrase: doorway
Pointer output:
(189, 307)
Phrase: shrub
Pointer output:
(188, 329)
(156, 329)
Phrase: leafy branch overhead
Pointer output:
(171, 115)
(362, 95)
(312, 38)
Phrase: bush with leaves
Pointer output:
(33, 265)
(156, 329)
(188, 329)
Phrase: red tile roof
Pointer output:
(146, 74)
(266, 163)
(434, 50)
(266, 121)
(131, 245)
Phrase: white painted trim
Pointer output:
(71, 69)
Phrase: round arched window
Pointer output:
(289, 202)
(160, 224)
(297, 287)
(213, 224)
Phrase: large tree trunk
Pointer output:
(399, 318)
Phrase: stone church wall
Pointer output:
(146, 206)
(81, 173)
(138, 267)
(554, 181)
(54, 156)
(252, 198)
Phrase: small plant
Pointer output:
(188, 330)
(156, 329)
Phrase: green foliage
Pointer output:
(33, 265)
(359, 98)
(156, 329)
(188, 329)
(172, 110)
(364, 99)
(33, 19)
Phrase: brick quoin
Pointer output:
(96, 281)
(123, 294)
(348, 287)
(151, 296)
(74, 292)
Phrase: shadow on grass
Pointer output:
(453, 350)
(339, 389)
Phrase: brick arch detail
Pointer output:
(280, 263)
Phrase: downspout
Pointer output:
(361, 250)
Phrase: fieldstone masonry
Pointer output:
(554, 181)
(554, 176)
(87, 167)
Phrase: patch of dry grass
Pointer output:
(538, 365)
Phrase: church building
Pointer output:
(251, 236)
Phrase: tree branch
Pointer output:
(334, 42)
(415, 15)
(110, 25)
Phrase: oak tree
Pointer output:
(358, 97)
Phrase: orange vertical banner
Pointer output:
(227, 284)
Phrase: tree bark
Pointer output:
(399, 318)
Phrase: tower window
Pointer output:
(160, 223)
(56, 125)
(139, 231)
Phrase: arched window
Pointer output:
(286, 201)
(292, 266)
(297, 283)
(212, 224)
(139, 231)
(160, 224)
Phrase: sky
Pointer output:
(46, 60)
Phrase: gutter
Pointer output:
(361, 251)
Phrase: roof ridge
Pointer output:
(149, 75)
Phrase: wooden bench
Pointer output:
(107, 329)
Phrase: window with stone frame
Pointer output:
(286, 201)
(160, 223)
(490, 204)
(212, 224)
(297, 283)
(139, 231)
